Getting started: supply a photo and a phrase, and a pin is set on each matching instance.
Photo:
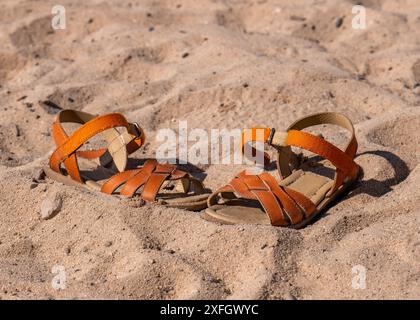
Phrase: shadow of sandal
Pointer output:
(377, 188)
(372, 187)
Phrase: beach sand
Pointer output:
(215, 64)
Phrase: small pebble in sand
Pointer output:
(338, 22)
(51, 205)
(17, 131)
(186, 54)
(215, 280)
(49, 106)
(297, 18)
(108, 243)
(38, 175)
(289, 296)
(33, 185)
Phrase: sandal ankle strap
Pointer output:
(120, 144)
(287, 160)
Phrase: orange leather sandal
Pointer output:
(155, 182)
(307, 185)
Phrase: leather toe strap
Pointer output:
(283, 206)
(149, 178)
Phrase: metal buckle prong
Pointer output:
(139, 132)
(270, 137)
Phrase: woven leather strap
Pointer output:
(150, 178)
(282, 205)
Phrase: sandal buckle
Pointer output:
(137, 128)
(271, 135)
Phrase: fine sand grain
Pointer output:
(217, 64)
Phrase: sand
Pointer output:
(215, 64)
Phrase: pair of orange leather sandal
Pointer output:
(307, 184)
